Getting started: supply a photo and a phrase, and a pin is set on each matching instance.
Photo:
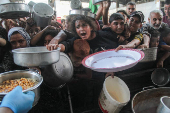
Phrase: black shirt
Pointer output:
(105, 39)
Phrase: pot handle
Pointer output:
(149, 87)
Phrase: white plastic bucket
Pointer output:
(114, 95)
(164, 106)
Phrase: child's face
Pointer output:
(134, 24)
(17, 41)
(154, 42)
(83, 29)
(117, 26)
(47, 39)
(167, 39)
(76, 58)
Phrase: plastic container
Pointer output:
(164, 106)
(114, 95)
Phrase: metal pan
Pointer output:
(14, 10)
(59, 73)
(35, 56)
(82, 12)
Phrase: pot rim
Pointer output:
(142, 92)
(45, 51)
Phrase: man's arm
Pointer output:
(146, 41)
(132, 44)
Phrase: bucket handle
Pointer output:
(149, 87)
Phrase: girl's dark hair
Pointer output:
(155, 33)
(124, 12)
(51, 32)
(165, 33)
(115, 16)
(15, 32)
(86, 19)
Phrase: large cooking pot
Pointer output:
(35, 56)
(59, 73)
(42, 14)
(17, 74)
(147, 101)
(150, 54)
(14, 10)
(82, 12)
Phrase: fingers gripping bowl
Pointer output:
(18, 74)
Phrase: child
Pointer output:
(155, 36)
(81, 49)
(164, 48)
(135, 23)
(84, 28)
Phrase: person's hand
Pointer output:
(52, 45)
(109, 74)
(121, 39)
(56, 24)
(119, 47)
(18, 101)
(143, 46)
(160, 64)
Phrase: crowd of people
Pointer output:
(80, 35)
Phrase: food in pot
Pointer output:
(9, 85)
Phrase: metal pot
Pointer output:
(148, 101)
(82, 12)
(58, 73)
(160, 76)
(42, 14)
(150, 54)
(14, 10)
(17, 74)
(35, 56)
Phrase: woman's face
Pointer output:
(18, 41)
(47, 39)
(83, 29)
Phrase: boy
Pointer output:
(155, 36)
(135, 23)
(164, 48)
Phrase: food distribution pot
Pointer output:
(14, 10)
(17, 74)
(42, 14)
(57, 74)
(147, 101)
(35, 56)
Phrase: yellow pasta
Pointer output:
(9, 85)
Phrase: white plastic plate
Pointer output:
(111, 61)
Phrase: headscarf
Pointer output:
(22, 32)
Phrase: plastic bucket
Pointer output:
(164, 106)
(114, 95)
